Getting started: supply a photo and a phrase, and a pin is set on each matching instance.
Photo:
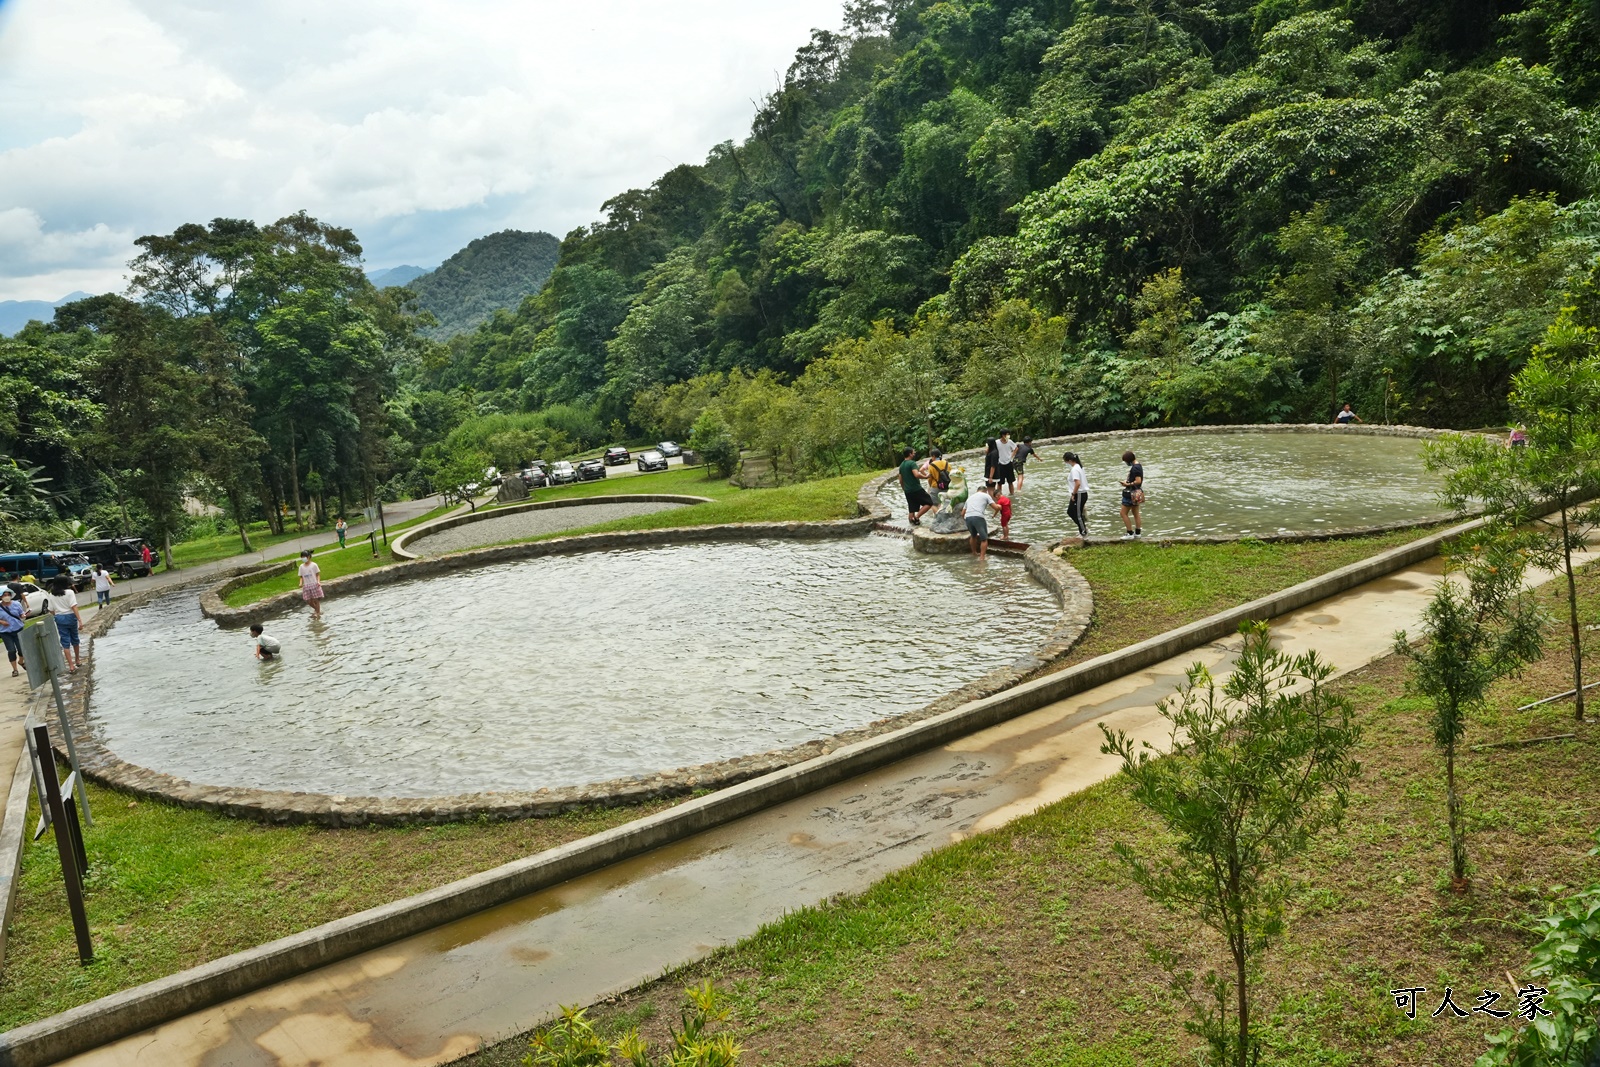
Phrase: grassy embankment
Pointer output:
(173, 888)
(827, 498)
(222, 546)
(1025, 946)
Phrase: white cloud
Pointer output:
(419, 123)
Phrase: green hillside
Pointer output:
(1078, 215)
(490, 274)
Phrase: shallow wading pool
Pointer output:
(561, 670)
(1228, 484)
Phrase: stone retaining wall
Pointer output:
(397, 545)
(102, 765)
(214, 606)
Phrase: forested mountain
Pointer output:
(1077, 215)
(395, 275)
(490, 274)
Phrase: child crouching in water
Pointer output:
(267, 647)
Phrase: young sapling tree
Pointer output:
(1259, 766)
(1480, 626)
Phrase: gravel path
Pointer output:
(528, 524)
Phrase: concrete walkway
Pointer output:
(435, 997)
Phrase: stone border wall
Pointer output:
(397, 545)
(102, 765)
(214, 606)
(927, 541)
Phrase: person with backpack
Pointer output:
(62, 602)
(938, 475)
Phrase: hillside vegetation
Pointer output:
(1081, 215)
(489, 275)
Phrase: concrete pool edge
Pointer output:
(215, 607)
(131, 1011)
(925, 540)
(99, 763)
(397, 546)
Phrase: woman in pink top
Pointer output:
(311, 584)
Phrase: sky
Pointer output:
(420, 124)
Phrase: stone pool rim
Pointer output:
(397, 544)
(101, 765)
(925, 540)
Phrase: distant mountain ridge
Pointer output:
(15, 314)
(387, 276)
(491, 273)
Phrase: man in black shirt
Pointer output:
(1132, 496)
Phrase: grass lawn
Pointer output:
(828, 498)
(221, 546)
(1142, 588)
(1025, 946)
(172, 888)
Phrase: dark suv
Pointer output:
(591, 470)
(616, 456)
(119, 555)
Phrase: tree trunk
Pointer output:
(1452, 804)
(1243, 1006)
(274, 497)
(294, 478)
(1572, 615)
(166, 545)
(236, 504)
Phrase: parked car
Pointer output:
(534, 477)
(119, 555)
(670, 449)
(591, 470)
(563, 473)
(31, 595)
(616, 456)
(652, 461)
(43, 566)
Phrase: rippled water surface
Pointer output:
(563, 670)
(1245, 483)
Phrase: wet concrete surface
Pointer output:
(435, 997)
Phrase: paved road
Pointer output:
(432, 998)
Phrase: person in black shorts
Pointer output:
(1132, 496)
(918, 502)
(1005, 451)
(1019, 462)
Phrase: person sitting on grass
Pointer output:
(266, 646)
(918, 503)
(979, 504)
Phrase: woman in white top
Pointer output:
(311, 584)
(62, 602)
(1078, 488)
(102, 585)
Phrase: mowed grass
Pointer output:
(173, 888)
(1145, 588)
(170, 888)
(1026, 946)
(222, 546)
(827, 498)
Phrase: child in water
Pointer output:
(267, 647)
(1003, 502)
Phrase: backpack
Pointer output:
(941, 469)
